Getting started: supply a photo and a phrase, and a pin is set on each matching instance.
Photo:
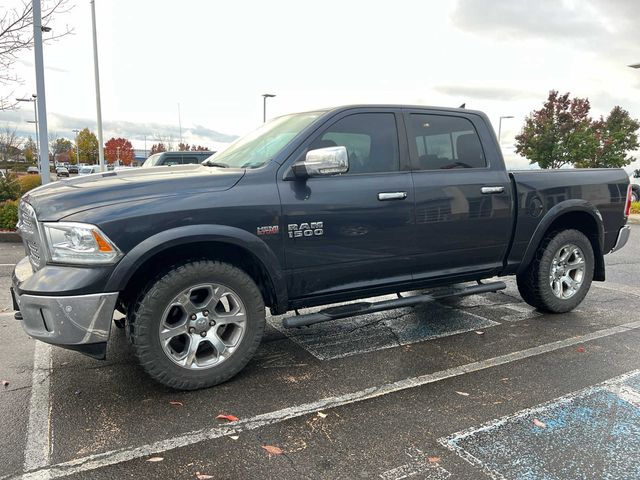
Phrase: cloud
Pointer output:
(485, 93)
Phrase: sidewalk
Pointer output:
(634, 218)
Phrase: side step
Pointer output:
(360, 308)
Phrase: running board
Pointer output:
(360, 308)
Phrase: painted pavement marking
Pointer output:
(417, 465)
(591, 433)
(382, 330)
(38, 448)
(113, 457)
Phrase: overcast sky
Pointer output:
(215, 58)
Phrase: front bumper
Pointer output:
(77, 322)
(623, 237)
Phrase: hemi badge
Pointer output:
(268, 230)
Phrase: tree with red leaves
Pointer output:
(119, 149)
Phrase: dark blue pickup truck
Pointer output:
(311, 209)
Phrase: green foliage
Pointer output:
(635, 207)
(562, 133)
(60, 146)
(9, 187)
(87, 146)
(29, 182)
(8, 215)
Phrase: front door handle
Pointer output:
(382, 196)
(492, 189)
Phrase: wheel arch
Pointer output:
(215, 242)
(571, 214)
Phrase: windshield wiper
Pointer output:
(208, 163)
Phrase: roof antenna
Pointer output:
(464, 105)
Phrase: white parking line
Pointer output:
(100, 460)
(37, 451)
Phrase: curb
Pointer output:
(634, 219)
(10, 237)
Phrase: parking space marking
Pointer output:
(417, 465)
(521, 312)
(113, 457)
(382, 330)
(37, 451)
(573, 436)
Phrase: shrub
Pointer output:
(29, 182)
(8, 215)
(9, 187)
(635, 207)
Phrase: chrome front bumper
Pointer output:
(623, 237)
(78, 322)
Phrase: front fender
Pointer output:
(199, 233)
(554, 213)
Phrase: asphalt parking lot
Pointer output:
(481, 388)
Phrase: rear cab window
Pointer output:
(445, 142)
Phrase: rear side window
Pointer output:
(371, 140)
(444, 142)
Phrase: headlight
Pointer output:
(79, 243)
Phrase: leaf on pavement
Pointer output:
(176, 403)
(234, 437)
(538, 423)
(580, 349)
(434, 459)
(479, 332)
(155, 459)
(5, 383)
(228, 418)
(464, 394)
(203, 476)
(322, 415)
(273, 450)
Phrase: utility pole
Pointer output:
(43, 137)
(180, 122)
(97, 79)
(264, 105)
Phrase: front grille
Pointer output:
(28, 228)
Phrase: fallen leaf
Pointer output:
(203, 476)
(228, 418)
(5, 383)
(464, 394)
(580, 349)
(155, 459)
(434, 459)
(176, 403)
(273, 450)
(77, 392)
(479, 332)
(234, 437)
(538, 423)
(322, 415)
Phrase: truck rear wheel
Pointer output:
(560, 274)
(198, 325)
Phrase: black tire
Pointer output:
(534, 283)
(635, 194)
(144, 323)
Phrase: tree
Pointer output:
(60, 148)
(558, 134)
(16, 36)
(87, 144)
(157, 148)
(119, 149)
(183, 147)
(9, 144)
(614, 137)
(30, 150)
(199, 148)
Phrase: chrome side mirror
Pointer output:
(323, 162)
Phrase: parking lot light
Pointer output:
(264, 105)
(635, 65)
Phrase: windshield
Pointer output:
(260, 146)
(151, 161)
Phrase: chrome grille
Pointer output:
(28, 228)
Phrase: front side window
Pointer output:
(371, 140)
(444, 142)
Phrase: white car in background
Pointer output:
(88, 169)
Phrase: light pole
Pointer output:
(40, 99)
(35, 120)
(500, 126)
(635, 65)
(76, 131)
(264, 105)
(97, 79)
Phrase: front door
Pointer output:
(350, 231)
(462, 195)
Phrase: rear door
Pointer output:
(462, 194)
(351, 231)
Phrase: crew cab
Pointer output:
(311, 209)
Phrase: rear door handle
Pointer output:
(492, 189)
(382, 196)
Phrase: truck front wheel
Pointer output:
(560, 274)
(197, 325)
